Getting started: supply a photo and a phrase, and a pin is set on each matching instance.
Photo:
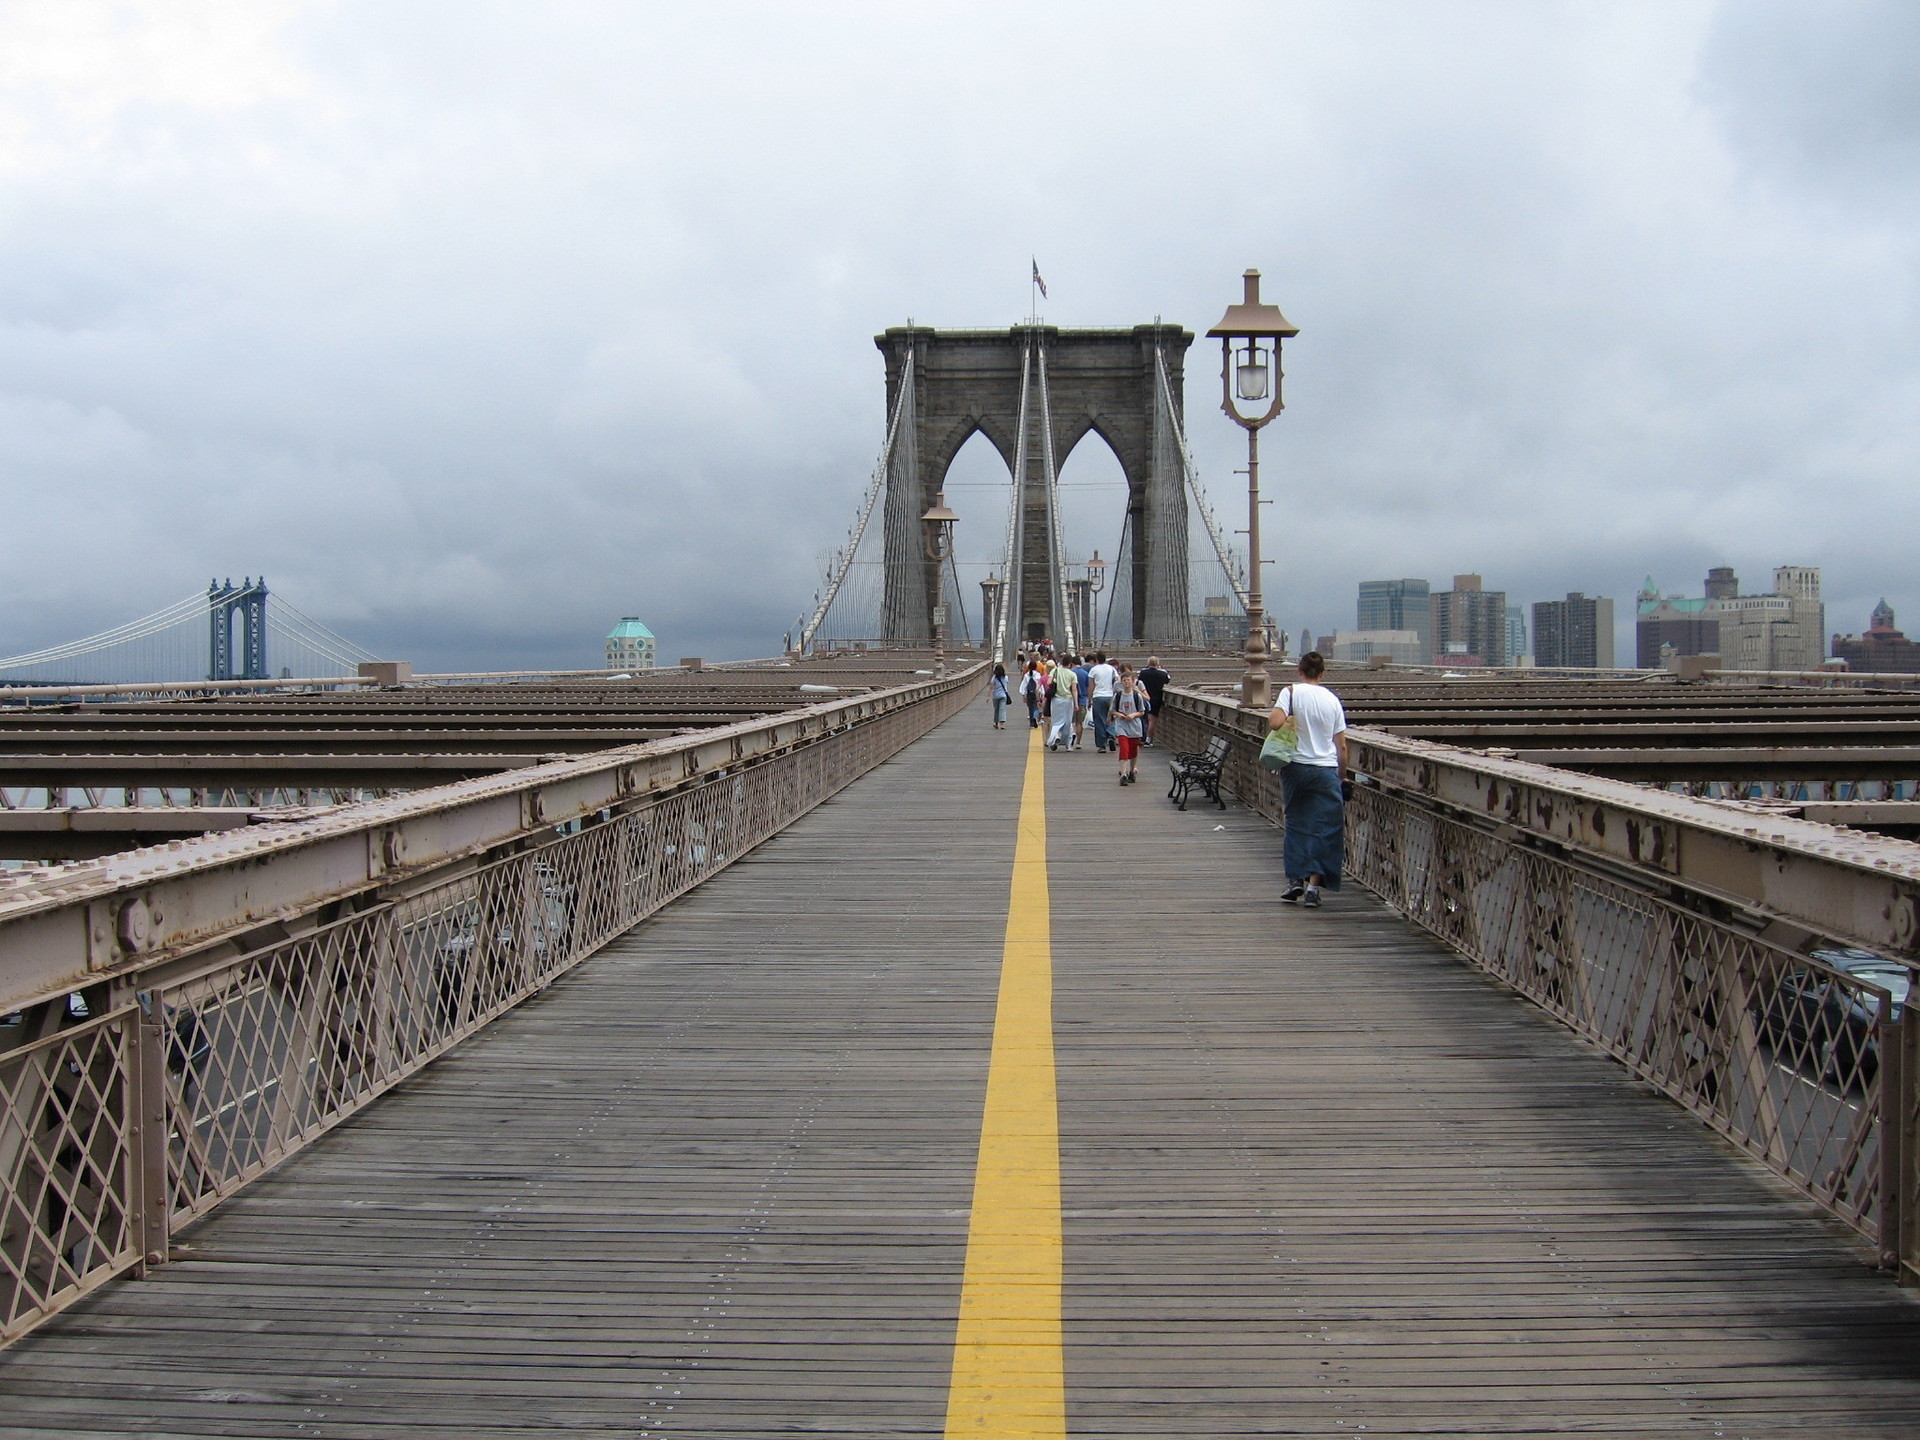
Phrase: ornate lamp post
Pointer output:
(990, 589)
(1096, 582)
(1250, 334)
(937, 527)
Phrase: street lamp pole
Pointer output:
(937, 528)
(1250, 334)
(1096, 582)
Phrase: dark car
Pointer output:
(1829, 1024)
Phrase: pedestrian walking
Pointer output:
(1102, 680)
(1155, 680)
(1083, 691)
(1064, 684)
(1129, 723)
(1312, 796)
(1001, 697)
(1033, 690)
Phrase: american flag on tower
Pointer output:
(1038, 283)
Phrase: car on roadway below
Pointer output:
(1828, 1024)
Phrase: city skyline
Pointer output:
(1838, 618)
(466, 344)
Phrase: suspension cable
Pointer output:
(1240, 590)
(146, 625)
(875, 486)
(1012, 596)
(1057, 556)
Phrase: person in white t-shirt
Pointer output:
(1103, 682)
(1310, 785)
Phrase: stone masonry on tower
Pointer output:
(1103, 381)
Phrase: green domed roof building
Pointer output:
(630, 645)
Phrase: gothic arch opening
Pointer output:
(979, 488)
(1036, 391)
(1095, 494)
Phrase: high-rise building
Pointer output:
(1783, 630)
(1518, 651)
(1469, 624)
(1574, 633)
(1799, 582)
(1397, 605)
(1883, 650)
(1679, 624)
(1399, 647)
(1221, 624)
(630, 645)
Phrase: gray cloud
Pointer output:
(475, 326)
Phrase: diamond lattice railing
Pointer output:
(66, 1168)
(250, 1058)
(1778, 1051)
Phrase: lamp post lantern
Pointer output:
(990, 592)
(1250, 334)
(1081, 594)
(937, 528)
(1096, 581)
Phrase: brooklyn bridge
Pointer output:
(775, 1047)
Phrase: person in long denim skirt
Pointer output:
(1311, 788)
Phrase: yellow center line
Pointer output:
(1008, 1373)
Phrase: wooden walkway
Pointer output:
(1318, 1178)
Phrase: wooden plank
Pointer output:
(1318, 1176)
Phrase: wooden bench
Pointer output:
(1199, 770)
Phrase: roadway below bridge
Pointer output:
(1311, 1175)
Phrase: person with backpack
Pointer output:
(1033, 689)
(1129, 722)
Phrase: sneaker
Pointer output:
(1312, 898)
(1291, 895)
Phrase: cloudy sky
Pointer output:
(476, 325)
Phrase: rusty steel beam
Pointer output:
(112, 918)
(79, 832)
(1867, 814)
(251, 772)
(173, 820)
(1732, 763)
(345, 740)
(1619, 735)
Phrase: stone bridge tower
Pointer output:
(1067, 383)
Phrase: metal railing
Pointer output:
(137, 1100)
(1750, 967)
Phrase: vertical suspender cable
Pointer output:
(1011, 601)
(1193, 483)
(1121, 562)
(1056, 555)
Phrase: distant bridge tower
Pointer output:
(1035, 391)
(237, 630)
